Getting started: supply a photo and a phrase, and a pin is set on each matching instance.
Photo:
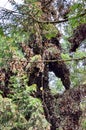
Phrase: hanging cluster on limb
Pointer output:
(79, 34)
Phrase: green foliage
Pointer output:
(5, 53)
(49, 31)
(78, 70)
(1, 31)
(21, 111)
(9, 46)
(65, 56)
(84, 124)
(79, 54)
(59, 86)
(9, 114)
(76, 9)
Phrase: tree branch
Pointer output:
(66, 60)
(47, 22)
(60, 60)
(60, 21)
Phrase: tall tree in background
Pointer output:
(31, 48)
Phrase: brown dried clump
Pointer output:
(64, 112)
(69, 108)
(4, 81)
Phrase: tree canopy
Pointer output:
(43, 65)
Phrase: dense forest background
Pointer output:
(43, 65)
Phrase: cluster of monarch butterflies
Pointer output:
(79, 34)
(59, 67)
